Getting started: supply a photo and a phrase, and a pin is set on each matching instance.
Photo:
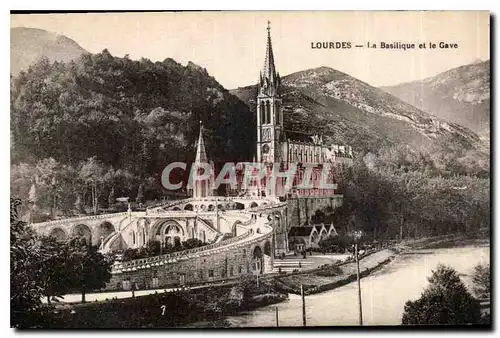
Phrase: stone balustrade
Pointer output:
(173, 257)
(83, 218)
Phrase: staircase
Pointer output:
(288, 265)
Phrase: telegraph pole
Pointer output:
(303, 305)
(277, 319)
(359, 284)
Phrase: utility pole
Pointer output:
(401, 228)
(277, 319)
(359, 284)
(303, 305)
(217, 214)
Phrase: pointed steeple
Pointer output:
(201, 155)
(269, 70)
(269, 79)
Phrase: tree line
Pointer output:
(405, 194)
(51, 188)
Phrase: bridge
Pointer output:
(206, 219)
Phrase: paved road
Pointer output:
(101, 296)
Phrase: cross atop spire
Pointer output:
(268, 25)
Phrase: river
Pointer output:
(384, 293)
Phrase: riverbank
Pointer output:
(331, 276)
(207, 307)
(442, 242)
(384, 293)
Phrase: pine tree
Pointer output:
(140, 194)
(78, 204)
(111, 197)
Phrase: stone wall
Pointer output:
(301, 209)
(297, 212)
(218, 266)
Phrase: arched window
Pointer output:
(261, 107)
(277, 109)
(268, 112)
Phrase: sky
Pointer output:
(231, 45)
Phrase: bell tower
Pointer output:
(269, 116)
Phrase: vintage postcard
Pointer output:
(250, 169)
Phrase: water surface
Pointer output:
(384, 293)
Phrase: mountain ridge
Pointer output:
(460, 95)
(28, 45)
(349, 111)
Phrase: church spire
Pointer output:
(269, 79)
(269, 70)
(201, 155)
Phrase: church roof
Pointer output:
(302, 231)
(318, 227)
(299, 137)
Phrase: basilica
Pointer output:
(274, 143)
(277, 146)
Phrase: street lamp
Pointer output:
(356, 235)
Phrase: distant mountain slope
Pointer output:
(28, 45)
(460, 95)
(349, 111)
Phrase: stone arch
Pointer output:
(257, 252)
(104, 230)
(276, 219)
(176, 208)
(189, 207)
(82, 231)
(172, 233)
(254, 205)
(239, 206)
(257, 260)
(59, 234)
(234, 228)
(267, 248)
(172, 227)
